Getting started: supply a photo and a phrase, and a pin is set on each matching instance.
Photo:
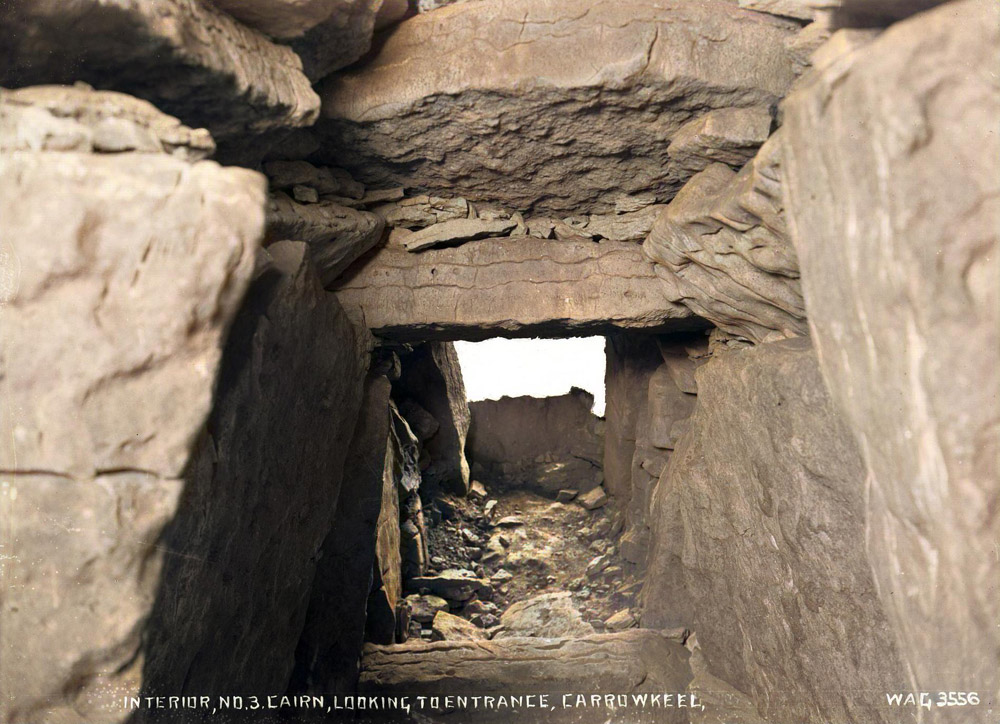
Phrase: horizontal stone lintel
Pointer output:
(511, 287)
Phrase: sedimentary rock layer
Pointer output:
(509, 287)
(894, 201)
(187, 57)
(759, 518)
(725, 252)
(510, 102)
(337, 235)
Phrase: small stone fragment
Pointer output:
(477, 490)
(326, 181)
(448, 627)
(305, 194)
(510, 521)
(598, 564)
(565, 495)
(593, 499)
(424, 607)
(456, 230)
(620, 621)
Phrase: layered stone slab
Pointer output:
(189, 58)
(510, 102)
(514, 287)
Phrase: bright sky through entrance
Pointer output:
(536, 367)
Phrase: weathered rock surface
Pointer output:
(627, 226)
(189, 58)
(548, 616)
(509, 287)
(760, 519)
(897, 232)
(629, 662)
(337, 235)
(630, 360)
(106, 310)
(329, 648)
(79, 579)
(119, 277)
(285, 18)
(432, 378)
(416, 212)
(547, 443)
(509, 102)
(235, 590)
(726, 254)
(77, 118)
(659, 424)
(400, 479)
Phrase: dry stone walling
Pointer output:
(232, 407)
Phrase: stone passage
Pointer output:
(238, 240)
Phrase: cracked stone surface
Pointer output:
(509, 287)
(892, 194)
(189, 58)
(507, 102)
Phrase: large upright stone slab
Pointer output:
(101, 303)
(759, 544)
(516, 287)
(329, 649)
(189, 58)
(548, 443)
(432, 378)
(892, 191)
(235, 590)
(631, 359)
(510, 102)
(122, 265)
